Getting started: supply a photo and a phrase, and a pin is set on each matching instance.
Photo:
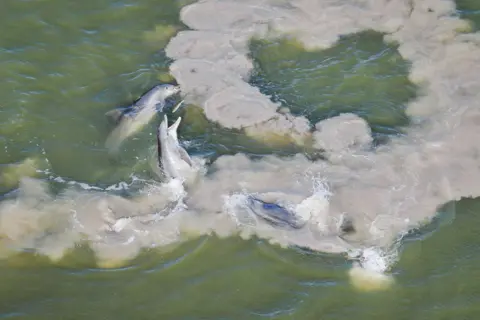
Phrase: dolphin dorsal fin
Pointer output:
(184, 156)
(116, 114)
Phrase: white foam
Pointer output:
(385, 191)
(315, 208)
(370, 273)
(376, 260)
(367, 280)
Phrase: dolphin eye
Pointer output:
(269, 206)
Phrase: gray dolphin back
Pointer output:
(274, 213)
(132, 119)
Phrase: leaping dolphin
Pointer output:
(173, 159)
(133, 118)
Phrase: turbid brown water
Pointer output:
(65, 64)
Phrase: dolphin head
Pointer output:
(172, 130)
(163, 91)
(159, 94)
(173, 159)
(274, 213)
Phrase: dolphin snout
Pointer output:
(166, 90)
(175, 89)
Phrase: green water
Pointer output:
(470, 9)
(64, 64)
(361, 74)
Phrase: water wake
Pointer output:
(383, 192)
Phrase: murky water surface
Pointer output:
(64, 64)
(361, 74)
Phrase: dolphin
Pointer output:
(274, 213)
(172, 158)
(133, 118)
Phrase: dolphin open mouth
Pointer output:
(176, 89)
(274, 213)
(173, 159)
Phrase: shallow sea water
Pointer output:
(64, 64)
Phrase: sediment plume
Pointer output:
(384, 191)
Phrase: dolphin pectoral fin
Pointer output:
(116, 114)
(184, 156)
(177, 106)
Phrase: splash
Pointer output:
(405, 180)
(117, 228)
(367, 280)
(318, 234)
(382, 191)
